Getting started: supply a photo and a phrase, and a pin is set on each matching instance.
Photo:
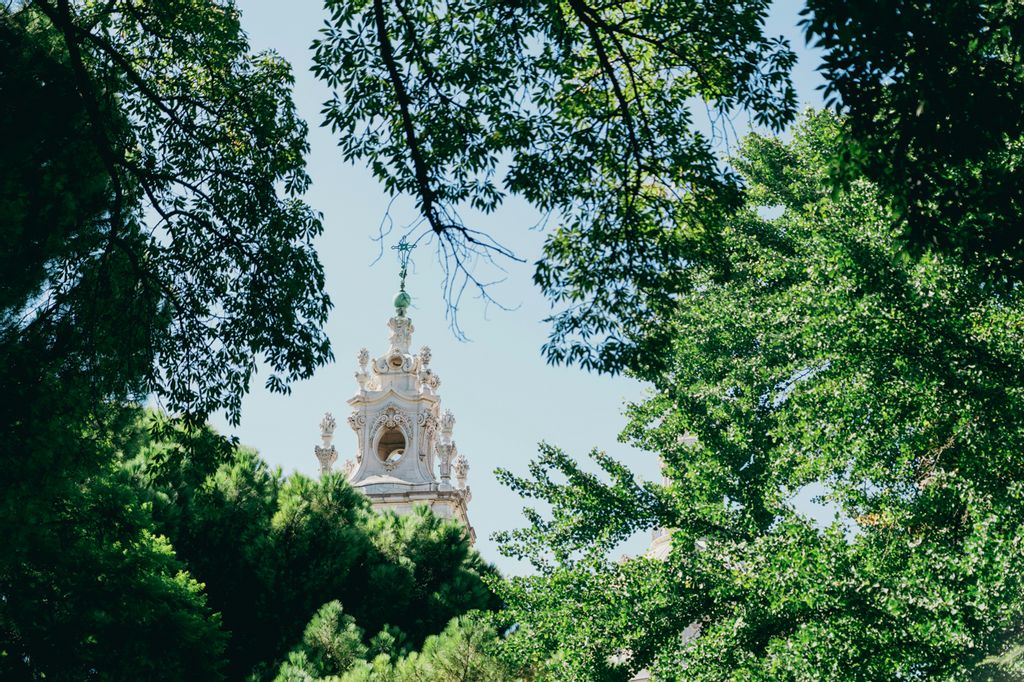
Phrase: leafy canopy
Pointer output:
(90, 588)
(153, 242)
(582, 109)
(272, 550)
(585, 110)
(933, 93)
(466, 651)
(191, 227)
(832, 361)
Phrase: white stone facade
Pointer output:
(405, 454)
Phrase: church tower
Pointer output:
(404, 454)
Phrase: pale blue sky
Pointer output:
(505, 398)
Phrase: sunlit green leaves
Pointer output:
(831, 362)
(584, 110)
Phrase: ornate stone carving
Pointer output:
(445, 453)
(461, 466)
(327, 426)
(357, 421)
(326, 456)
(395, 362)
(428, 427)
(447, 425)
(429, 382)
(392, 417)
(401, 334)
(398, 393)
(362, 378)
(427, 421)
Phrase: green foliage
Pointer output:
(466, 651)
(585, 111)
(52, 185)
(152, 242)
(429, 571)
(332, 643)
(92, 583)
(1008, 666)
(934, 94)
(582, 109)
(190, 227)
(89, 589)
(272, 550)
(828, 360)
(156, 245)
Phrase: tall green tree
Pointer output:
(468, 650)
(585, 110)
(866, 340)
(829, 360)
(201, 158)
(331, 644)
(154, 243)
(88, 587)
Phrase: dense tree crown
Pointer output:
(933, 92)
(272, 550)
(90, 589)
(153, 243)
(585, 110)
(829, 358)
(865, 342)
(186, 558)
(331, 649)
(157, 246)
(188, 220)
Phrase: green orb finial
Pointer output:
(402, 302)
(402, 299)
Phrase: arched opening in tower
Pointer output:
(391, 445)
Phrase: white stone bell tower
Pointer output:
(405, 454)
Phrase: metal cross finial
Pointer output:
(404, 249)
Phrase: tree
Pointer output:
(153, 244)
(202, 163)
(430, 572)
(740, 322)
(829, 358)
(583, 109)
(466, 651)
(933, 93)
(272, 550)
(91, 591)
(331, 644)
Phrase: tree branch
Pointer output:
(387, 55)
(62, 19)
